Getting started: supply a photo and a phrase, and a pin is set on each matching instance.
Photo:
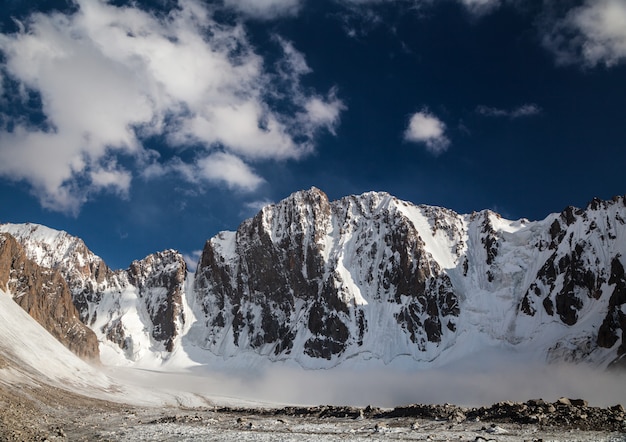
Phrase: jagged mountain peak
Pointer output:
(44, 294)
(134, 311)
(365, 277)
(311, 195)
(163, 258)
(50, 247)
(600, 204)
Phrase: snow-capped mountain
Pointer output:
(135, 313)
(44, 294)
(363, 278)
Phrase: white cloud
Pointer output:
(255, 206)
(317, 112)
(429, 130)
(592, 34)
(192, 259)
(265, 9)
(225, 168)
(273, 9)
(216, 168)
(293, 61)
(321, 112)
(251, 208)
(360, 17)
(525, 110)
(111, 76)
(474, 6)
(113, 178)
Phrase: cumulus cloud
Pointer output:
(592, 34)
(427, 129)
(110, 77)
(192, 259)
(265, 9)
(217, 168)
(226, 168)
(322, 112)
(525, 110)
(111, 177)
(314, 112)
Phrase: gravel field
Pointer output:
(40, 412)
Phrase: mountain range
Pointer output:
(320, 284)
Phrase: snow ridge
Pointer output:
(365, 278)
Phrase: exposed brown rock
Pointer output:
(279, 282)
(44, 295)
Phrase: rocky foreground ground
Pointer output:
(39, 413)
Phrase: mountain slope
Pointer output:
(367, 277)
(318, 281)
(375, 277)
(44, 294)
(30, 355)
(134, 313)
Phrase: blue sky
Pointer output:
(140, 126)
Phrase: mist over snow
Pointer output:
(364, 300)
(484, 379)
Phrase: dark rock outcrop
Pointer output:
(612, 328)
(160, 279)
(285, 276)
(321, 282)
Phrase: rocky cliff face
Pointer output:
(364, 277)
(44, 294)
(375, 277)
(160, 281)
(133, 312)
(582, 279)
(313, 280)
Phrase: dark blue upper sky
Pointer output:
(150, 125)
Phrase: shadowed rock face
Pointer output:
(286, 278)
(257, 293)
(322, 282)
(293, 275)
(584, 268)
(614, 323)
(578, 279)
(151, 288)
(43, 293)
(160, 279)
